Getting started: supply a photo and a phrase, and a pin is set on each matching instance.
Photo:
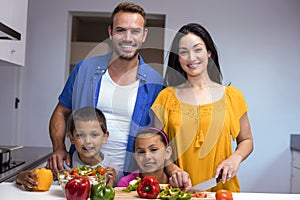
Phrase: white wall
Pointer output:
(258, 42)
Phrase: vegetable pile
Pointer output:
(149, 188)
(96, 175)
(84, 182)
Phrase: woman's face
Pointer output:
(151, 152)
(193, 55)
(88, 138)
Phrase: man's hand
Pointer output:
(181, 179)
(55, 161)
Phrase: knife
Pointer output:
(205, 185)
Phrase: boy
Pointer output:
(88, 131)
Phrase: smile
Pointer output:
(127, 47)
(193, 65)
(149, 164)
(88, 148)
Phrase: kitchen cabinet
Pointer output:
(295, 148)
(295, 182)
(4, 11)
(13, 13)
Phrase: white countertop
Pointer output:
(33, 157)
(11, 191)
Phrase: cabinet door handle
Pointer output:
(12, 51)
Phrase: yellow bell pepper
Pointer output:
(45, 178)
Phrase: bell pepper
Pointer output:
(45, 178)
(184, 196)
(78, 188)
(148, 187)
(170, 194)
(132, 185)
(102, 192)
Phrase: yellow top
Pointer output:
(201, 135)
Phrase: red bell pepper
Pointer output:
(148, 187)
(78, 188)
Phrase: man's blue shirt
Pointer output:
(83, 86)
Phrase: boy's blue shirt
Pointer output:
(83, 86)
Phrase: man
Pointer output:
(121, 85)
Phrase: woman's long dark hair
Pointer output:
(175, 75)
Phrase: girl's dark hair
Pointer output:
(175, 75)
(85, 114)
(154, 131)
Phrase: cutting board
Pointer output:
(134, 195)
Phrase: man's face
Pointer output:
(127, 34)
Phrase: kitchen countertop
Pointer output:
(295, 142)
(33, 157)
(13, 191)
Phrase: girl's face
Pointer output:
(151, 153)
(88, 138)
(193, 55)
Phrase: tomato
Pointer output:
(74, 171)
(200, 195)
(223, 195)
(101, 170)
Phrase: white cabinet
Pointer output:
(14, 14)
(295, 182)
(4, 11)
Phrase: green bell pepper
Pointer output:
(102, 192)
(133, 185)
(171, 194)
(184, 196)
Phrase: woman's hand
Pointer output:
(229, 167)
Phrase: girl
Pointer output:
(151, 151)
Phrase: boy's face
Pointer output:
(151, 152)
(88, 138)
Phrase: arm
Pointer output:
(27, 179)
(244, 148)
(57, 129)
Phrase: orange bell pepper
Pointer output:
(45, 178)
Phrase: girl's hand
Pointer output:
(180, 179)
(28, 180)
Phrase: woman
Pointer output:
(199, 115)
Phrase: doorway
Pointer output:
(89, 38)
